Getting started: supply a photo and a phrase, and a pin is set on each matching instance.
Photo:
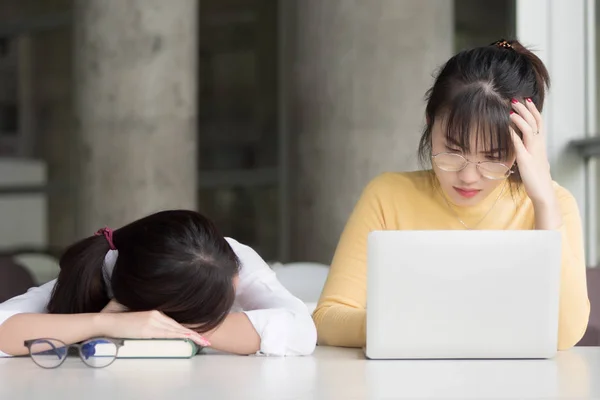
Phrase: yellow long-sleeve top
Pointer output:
(414, 201)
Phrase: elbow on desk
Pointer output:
(340, 325)
(572, 330)
(8, 346)
(566, 342)
(307, 340)
(298, 337)
(317, 317)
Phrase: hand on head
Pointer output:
(468, 116)
(531, 152)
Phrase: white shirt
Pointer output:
(283, 321)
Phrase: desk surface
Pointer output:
(331, 373)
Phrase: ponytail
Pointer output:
(173, 261)
(80, 286)
(540, 73)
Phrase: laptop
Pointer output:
(462, 294)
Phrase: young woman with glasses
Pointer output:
(486, 142)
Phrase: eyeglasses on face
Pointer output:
(95, 353)
(452, 162)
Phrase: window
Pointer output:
(239, 184)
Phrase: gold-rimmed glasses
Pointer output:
(452, 162)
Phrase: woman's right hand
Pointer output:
(146, 325)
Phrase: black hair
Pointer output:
(173, 261)
(473, 91)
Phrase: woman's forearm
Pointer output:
(547, 215)
(69, 328)
(235, 335)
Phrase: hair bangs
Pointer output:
(477, 121)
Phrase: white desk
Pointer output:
(329, 374)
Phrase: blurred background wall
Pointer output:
(268, 116)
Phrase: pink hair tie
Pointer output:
(108, 234)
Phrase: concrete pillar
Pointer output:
(135, 108)
(358, 73)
